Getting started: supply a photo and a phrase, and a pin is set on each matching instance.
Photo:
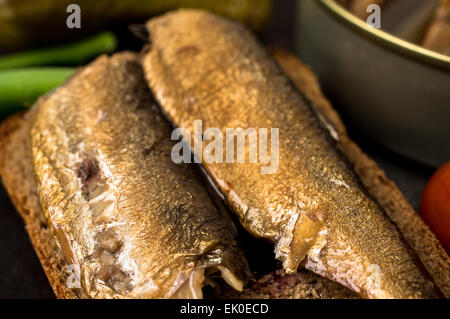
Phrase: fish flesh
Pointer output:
(437, 37)
(131, 222)
(313, 207)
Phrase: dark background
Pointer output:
(21, 275)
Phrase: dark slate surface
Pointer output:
(21, 275)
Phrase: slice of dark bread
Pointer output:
(17, 177)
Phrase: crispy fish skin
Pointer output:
(136, 224)
(203, 67)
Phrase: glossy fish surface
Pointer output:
(131, 222)
(313, 208)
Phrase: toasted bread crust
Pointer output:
(17, 177)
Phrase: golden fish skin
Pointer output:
(203, 67)
(136, 224)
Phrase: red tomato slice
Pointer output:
(435, 205)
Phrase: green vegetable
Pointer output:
(21, 87)
(73, 53)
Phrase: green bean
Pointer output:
(69, 54)
(21, 87)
